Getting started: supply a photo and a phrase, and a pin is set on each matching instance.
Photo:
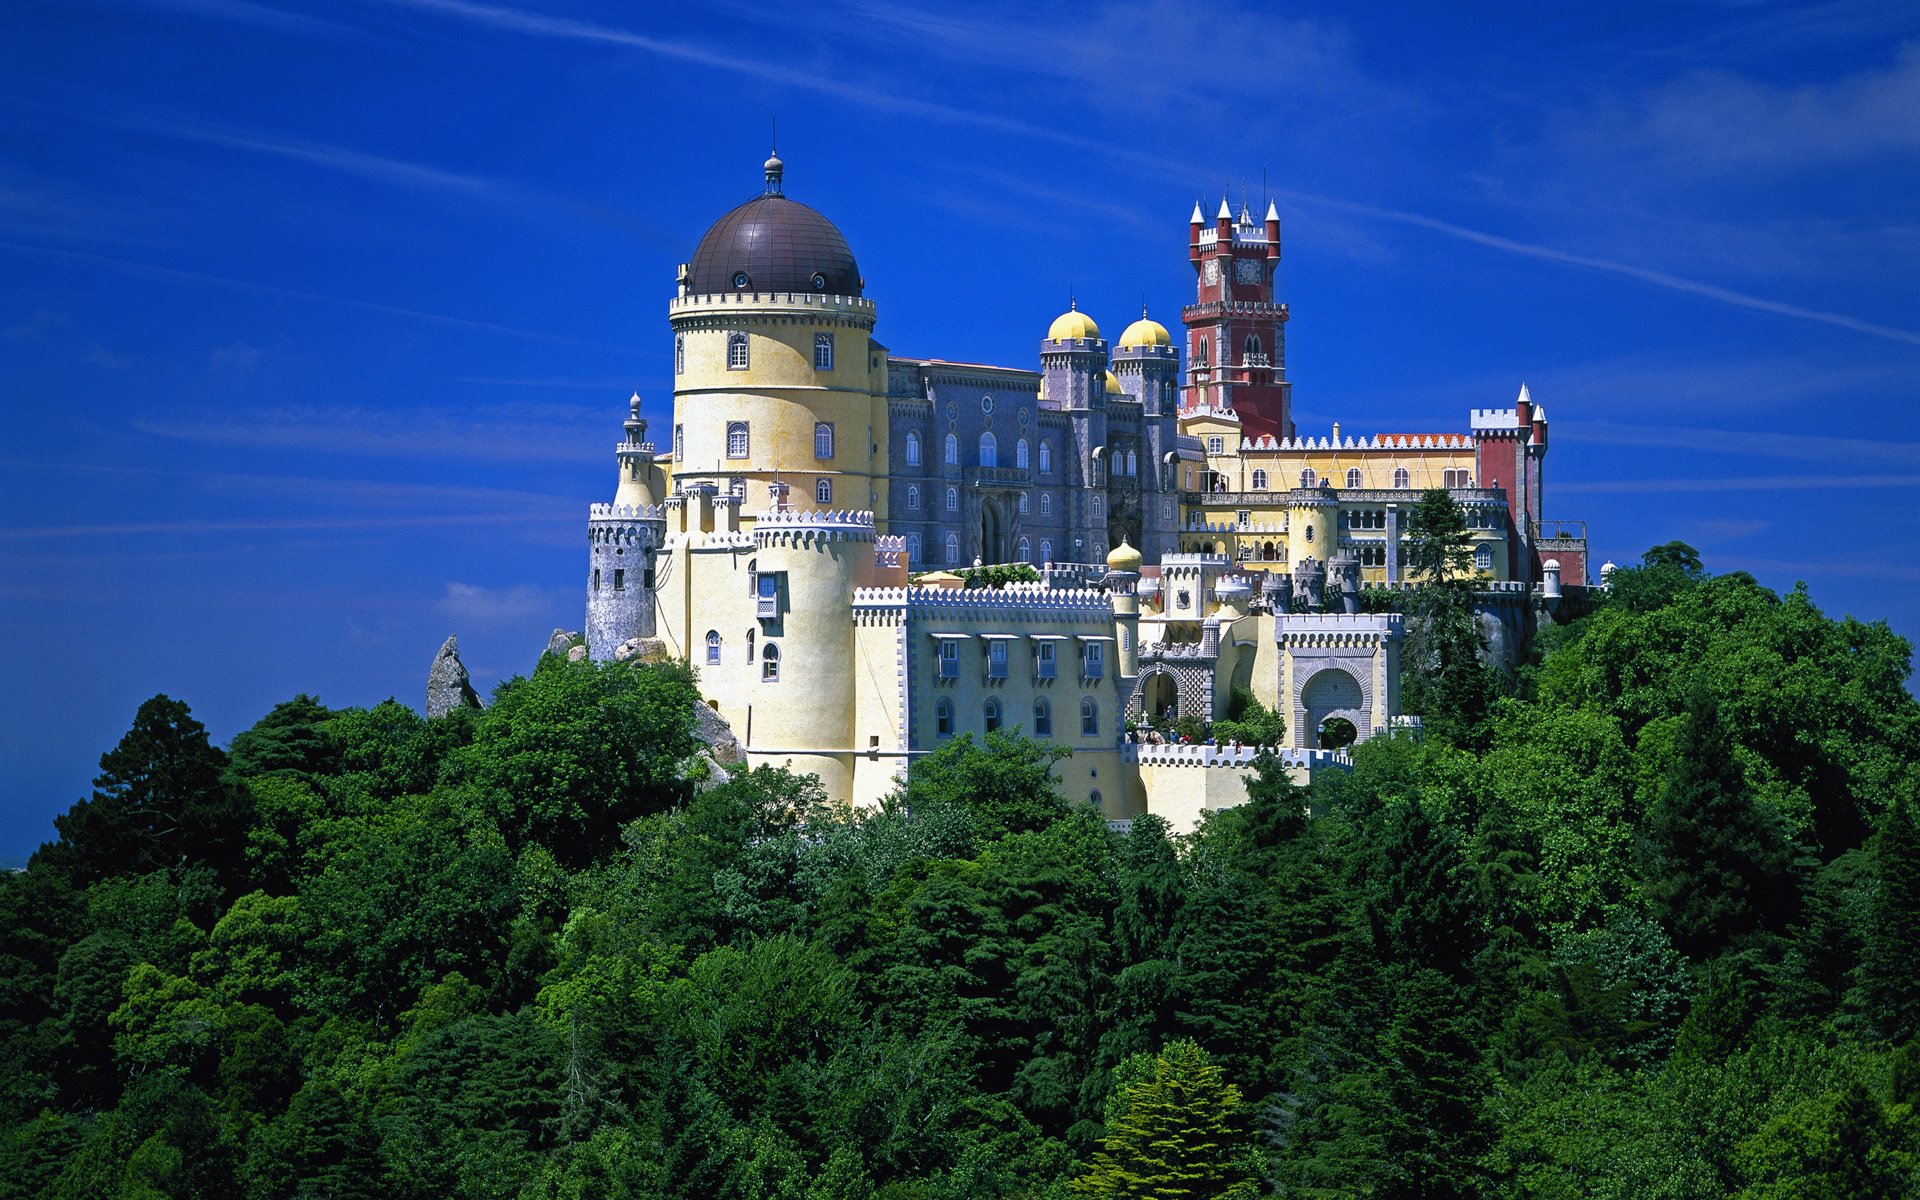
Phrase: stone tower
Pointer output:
(622, 538)
(1236, 329)
(1147, 365)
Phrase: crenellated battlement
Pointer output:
(1147, 754)
(1390, 442)
(626, 512)
(809, 518)
(1034, 602)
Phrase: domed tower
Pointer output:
(1148, 365)
(622, 538)
(776, 372)
(1123, 578)
(1073, 368)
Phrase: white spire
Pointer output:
(1225, 214)
(1526, 397)
(1273, 211)
(1197, 218)
(1540, 412)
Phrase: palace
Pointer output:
(1192, 545)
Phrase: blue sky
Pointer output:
(317, 322)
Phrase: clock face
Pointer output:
(1211, 272)
(1246, 270)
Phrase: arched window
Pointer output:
(953, 548)
(1042, 718)
(1202, 356)
(713, 645)
(1046, 552)
(1046, 457)
(736, 439)
(823, 491)
(736, 352)
(1259, 479)
(1099, 505)
(823, 352)
(679, 354)
(679, 443)
(770, 663)
(943, 718)
(1253, 346)
(1353, 477)
(1401, 479)
(1020, 454)
(913, 548)
(823, 439)
(1093, 798)
(1046, 505)
(1306, 477)
(1023, 504)
(913, 496)
(1483, 556)
(1133, 463)
(953, 500)
(737, 488)
(1089, 717)
(989, 451)
(749, 646)
(913, 449)
(953, 451)
(992, 713)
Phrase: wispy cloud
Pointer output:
(483, 606)
(393, 171)
(1804, 447)
(270, 525)
(268, 289)
(244, 12)
(518, 433)
(1760, 483)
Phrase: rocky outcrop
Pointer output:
(641, 649)
(448, 687)
(576, 654)
(712, 729)
(561, 642)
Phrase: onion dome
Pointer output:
(1113, 385)
(773, 244)
(1145, 332)
(1123, 558)
(1072, 324)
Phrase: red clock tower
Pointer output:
(1236, 332)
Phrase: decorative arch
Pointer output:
(1329, 692)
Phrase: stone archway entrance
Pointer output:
(1158, 694)
(1331, 698)
(993, 533)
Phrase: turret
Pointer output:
(622, 538)
(1123, 577)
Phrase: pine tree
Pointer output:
(1179, 1132)
(1887, 989)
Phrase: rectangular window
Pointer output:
(596, 579)
(949, 658)
(736, 439)
(767, 594)
(736, 352)
(619, 579)
(1045, 665)
(997, 659)
(1096, 660)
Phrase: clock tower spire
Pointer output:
(1236, 329)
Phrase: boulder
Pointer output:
(641, 649)
(448, 687)
(576, 654)
(712, 729)
(560, 642)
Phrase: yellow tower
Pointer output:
(1123, 576)
(776, 373)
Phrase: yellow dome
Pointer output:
(1072, 324)
(1123, 558)
(1145, 332)
(1113, 385)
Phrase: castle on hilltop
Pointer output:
(797, 542)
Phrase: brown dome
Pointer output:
(773, 244)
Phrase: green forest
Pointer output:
(1639, 920)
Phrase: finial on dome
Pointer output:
(774, 166)
(633, 405)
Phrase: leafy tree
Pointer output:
(293, 739)
(1439, 546)
(1175, 1128)
(1006, 783)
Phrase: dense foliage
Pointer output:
(1642, 923)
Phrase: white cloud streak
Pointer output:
(1762, 483)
